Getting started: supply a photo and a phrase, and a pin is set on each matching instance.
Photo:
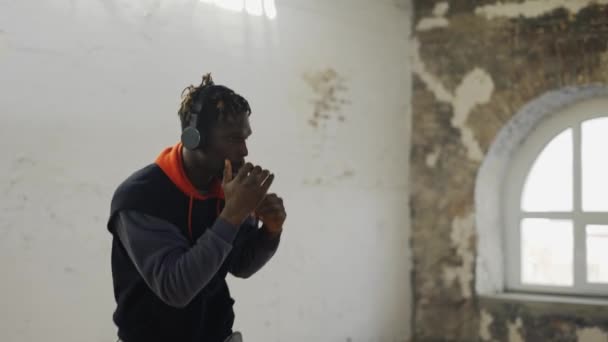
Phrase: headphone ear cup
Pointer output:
(191, 138)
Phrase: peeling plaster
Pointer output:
(426, 24)
(476, 88)
(437, 20)
(436, 300)
(485, 321)
(462, 232)
(533, 8)
(591, 335)
(515, 331)
(431, 158)
(441, 9)
(432, 83)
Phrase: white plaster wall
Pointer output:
(89, 92)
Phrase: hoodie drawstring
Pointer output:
(190, 216)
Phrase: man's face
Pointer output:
(227, 140)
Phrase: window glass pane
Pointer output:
(594, 136)
(546, 252)
(548, 186)
(597, 254)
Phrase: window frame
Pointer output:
(522, 160)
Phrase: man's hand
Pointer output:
(244, 192)
(272, 213)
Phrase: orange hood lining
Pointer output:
(171, 162)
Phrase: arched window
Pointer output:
(551, 200)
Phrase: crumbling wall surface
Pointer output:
(475, 64)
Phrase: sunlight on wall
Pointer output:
(252, 7)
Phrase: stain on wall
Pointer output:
(330, 96)
(475, 64)
(329, 88)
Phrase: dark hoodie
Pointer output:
(171, 254)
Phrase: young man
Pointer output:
(181, 224)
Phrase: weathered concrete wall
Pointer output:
(476, 63)
(88, 94)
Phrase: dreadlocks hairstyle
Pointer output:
(212, 103)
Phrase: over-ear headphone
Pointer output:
(191, 136)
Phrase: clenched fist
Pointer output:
(244, 192)
(272, 213)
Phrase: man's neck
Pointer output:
(197, 175)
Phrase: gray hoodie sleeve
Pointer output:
(253, 248)
(173, 270)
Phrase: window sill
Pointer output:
(546, 298)
(540, 305)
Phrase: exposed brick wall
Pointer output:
(515, 60)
